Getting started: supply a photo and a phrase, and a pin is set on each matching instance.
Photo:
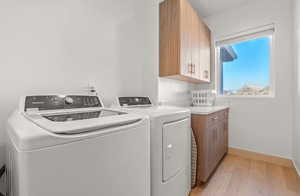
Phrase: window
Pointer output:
(244, 64)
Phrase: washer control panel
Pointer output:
(134, 101)
(55, 102)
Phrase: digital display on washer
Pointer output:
(81, 116)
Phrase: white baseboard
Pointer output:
(261, 157)
(296, 167)
(261, 152)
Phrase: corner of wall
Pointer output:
(297, 168)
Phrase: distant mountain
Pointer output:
(250, 89)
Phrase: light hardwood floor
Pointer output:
(237, 176)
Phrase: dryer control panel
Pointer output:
(134, 101)
(56, 102)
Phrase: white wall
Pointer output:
(61, 45)
(151, 68)
(296, 134)
(262, 124)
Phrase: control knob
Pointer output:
(69, 100)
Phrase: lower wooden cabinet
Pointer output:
(211, 135)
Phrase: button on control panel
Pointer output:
(54, 102)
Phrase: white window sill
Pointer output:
(246, 96)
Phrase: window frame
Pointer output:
(251, 34)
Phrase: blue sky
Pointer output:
(251, 66)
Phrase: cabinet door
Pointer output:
(169, 38)
(222, 144)
(186, 19)
(221, 141)
(211, 150)
(196, 46)
(226, 135)
(205, 52)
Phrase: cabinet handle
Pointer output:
(206, 74)
(190, 68)
(194, 68)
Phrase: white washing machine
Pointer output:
(170, 145)
(72, 146)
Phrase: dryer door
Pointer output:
(175, 141)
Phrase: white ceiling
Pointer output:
(210, 7)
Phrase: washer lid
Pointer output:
(81, 115)
(81, 121)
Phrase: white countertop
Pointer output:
(204, 110)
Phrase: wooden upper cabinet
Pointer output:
(195, 45)
(185, 29)
(184, 43)
(205, 52)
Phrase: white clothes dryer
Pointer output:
(170, 143)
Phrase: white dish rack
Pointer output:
(203, 97)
